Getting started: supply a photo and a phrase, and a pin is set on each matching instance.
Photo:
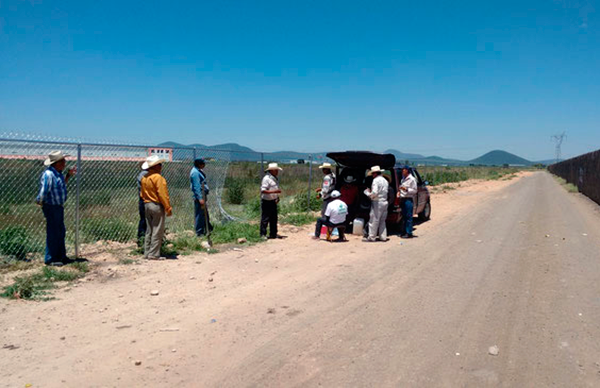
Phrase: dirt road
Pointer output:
(514, 264)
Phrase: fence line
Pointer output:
(582, 171)
(103, 196)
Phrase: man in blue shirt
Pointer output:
(52, 197)
(200, 191)
(141, 208)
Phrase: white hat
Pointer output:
(326, 165)
(349, 179)
(53, 157)
(152, 161)
(273, 166)
(374, 169)
(335, 194)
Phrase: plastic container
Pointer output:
(358, 226)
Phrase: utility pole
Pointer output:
(558, 140)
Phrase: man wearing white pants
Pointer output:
(379, 205)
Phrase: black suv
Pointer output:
(352, 180)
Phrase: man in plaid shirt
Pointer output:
(52, 197)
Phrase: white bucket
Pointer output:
(357, 226)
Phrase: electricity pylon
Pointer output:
(558, 140)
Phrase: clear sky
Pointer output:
(450, 78)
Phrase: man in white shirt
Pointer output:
(408, 190)
(379, 205)
(269, 198)
(335, 215)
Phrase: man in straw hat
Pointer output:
(379, 205)
(269, 196)
(200, 191)
(155, 195)
(407, 193)
(327, 187)
(52, 198)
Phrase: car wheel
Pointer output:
(426, 213)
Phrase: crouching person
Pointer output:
(334, 217)
(157, 205)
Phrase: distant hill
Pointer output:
(403, 156)
(499, 158)
(241, 153)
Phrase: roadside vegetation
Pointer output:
(37, 285)
(441, 175)
(571, 188)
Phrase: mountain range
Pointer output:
(241, 153)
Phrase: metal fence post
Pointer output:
(309, 180)
(262, 162)
(77, 198)
(195, 153)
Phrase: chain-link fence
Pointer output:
(103, 196)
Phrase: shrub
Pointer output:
(253, 208)
(17, 243)
(236, 192)
(110, 229)
(300, 202)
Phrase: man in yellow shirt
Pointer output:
(155, 195)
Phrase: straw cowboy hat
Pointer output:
(152, 161)
(326, 165)
(273, 166)
(375, 169)
(53, 157)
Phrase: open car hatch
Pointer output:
(363, 159)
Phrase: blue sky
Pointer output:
(455, 79)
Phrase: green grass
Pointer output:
(299, 219)
(12, 265)
(36, 286)
(109, 229)
(16, 242)
(571, 188)
(230, 232)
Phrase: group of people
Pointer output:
(335, 208)
(154, 204)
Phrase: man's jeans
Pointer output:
(55, 233)
(407, 216)
(200, 220)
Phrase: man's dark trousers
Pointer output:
(142, 223)
(200, 220)
(407, 216)
(55, 233)
(268, 216)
